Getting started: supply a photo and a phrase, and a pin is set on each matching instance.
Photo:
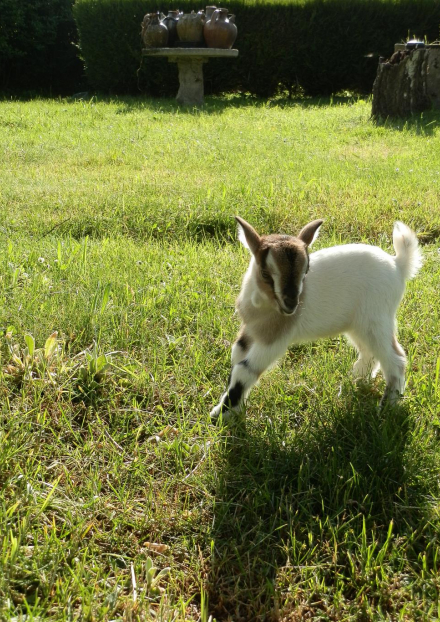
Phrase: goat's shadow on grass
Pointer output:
(276, 499)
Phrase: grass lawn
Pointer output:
(118, 273)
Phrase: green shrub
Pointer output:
(322, 46)
(37, 51)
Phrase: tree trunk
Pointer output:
(408, 82)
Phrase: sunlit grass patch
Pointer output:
(118, 274)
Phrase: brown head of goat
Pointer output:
(282, 262)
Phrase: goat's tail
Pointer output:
(408, 255)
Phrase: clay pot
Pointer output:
(209, 11)
(170, 22)
(190, 28)
(145, 22)
(154, 33)
(220, 32)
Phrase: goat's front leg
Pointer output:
(249, 361)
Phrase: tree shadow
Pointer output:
(421, 123)
(424, 123)
(214, 104)
(281, 502)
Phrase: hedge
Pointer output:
(37, 47)
(320, 46)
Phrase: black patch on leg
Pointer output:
(234, 395)
(244, 363)
(243, 342)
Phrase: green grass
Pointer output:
(116, 231)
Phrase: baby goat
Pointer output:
(353, 289)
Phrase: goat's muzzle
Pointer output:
(288, 306)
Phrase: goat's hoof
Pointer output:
(391, 397)
(215, 413)
(220, 413)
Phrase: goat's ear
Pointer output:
(310, 232)
(247, 235)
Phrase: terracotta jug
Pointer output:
(144, 25)
(154, 33)
(170, 22)
(220, 32)
(209, 11)
(190, 28)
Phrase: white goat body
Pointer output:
(353, 289)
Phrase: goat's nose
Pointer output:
(290, 304)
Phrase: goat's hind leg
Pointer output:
(393, 365)
(366, 365)
(385, 349)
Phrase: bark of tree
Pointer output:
(411, 85)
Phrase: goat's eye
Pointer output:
(265, 275)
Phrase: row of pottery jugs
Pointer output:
(215, 28)
(220, 31)
(155, 34)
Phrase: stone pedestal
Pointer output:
(190, 64)
(408, 82)
(191, 87)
